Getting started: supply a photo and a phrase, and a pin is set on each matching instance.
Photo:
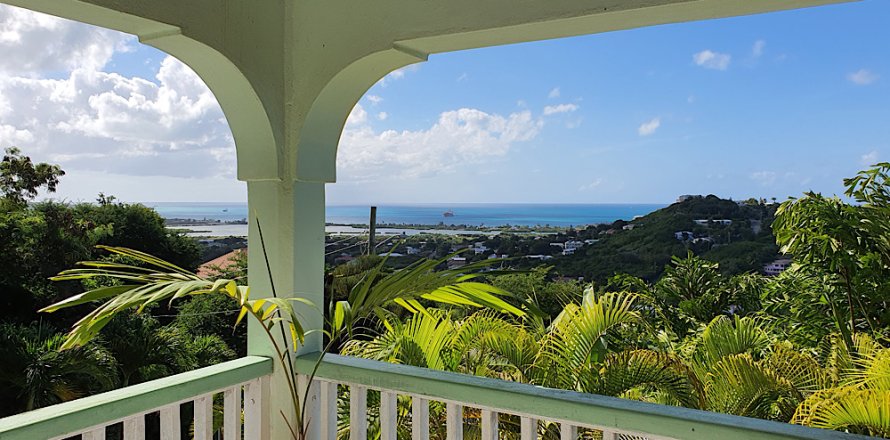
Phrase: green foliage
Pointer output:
(20, 179)
(861, 401)
(35, 373)
(137, 226)
(645, 250)
(212, 316)
(39, 241)
(152, 281)
(683, 327)
(143, 350)
(846, 246)
(548, 296)
(342, 279)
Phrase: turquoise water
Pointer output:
(431, 214)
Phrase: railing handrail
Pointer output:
(117, 404)
(572, 407)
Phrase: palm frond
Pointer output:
(725, 336)
(865, 411)
(656, 372)
(800, 368)
(739, 385)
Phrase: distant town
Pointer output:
(727, 230)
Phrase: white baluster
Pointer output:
(388, 415)
(529, 427)
(204, 417)
(568, 432)
(94, 434)
(170, 426)
(420, 418)
(232, 413)
(610, 435)
(328, 422)
(134, 428)
(256, 407)
(358, 413)
(454, 421)
(489, 425)
(310, 404)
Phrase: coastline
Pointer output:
(239, 229)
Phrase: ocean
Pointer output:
(432, 214)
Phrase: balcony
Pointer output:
(287, 74)
(472, 409)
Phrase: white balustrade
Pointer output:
(134, 426)
(454, 417)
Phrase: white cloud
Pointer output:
(591, 185)
(765, 178)
(100, 121)
(649, 127)
(458, 137)
(757, 48)
(32, 43)
(357, 116)
(463, 77)
(870, 158)
(863, 77)
(554, 93)
(58, 104)
(375, 99)
(712, 60)
(11, 136)
(397, 74)
(382, 116)
(559, 108)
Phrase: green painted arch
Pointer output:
(316, 154)
(255, 141)
(258, 157)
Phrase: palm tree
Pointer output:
(733, 364)
(34, 373)
(572, 353)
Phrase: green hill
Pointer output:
(643, 246)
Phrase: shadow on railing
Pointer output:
(162, 400)
(478, 405)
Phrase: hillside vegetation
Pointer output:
(644, 251)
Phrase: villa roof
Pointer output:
(208, 268)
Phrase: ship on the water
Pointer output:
(448, 213)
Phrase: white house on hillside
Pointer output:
(776, 267)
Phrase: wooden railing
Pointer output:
(475, 405)
(242, 380)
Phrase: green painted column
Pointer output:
(291, 215)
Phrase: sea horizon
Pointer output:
(470, 214)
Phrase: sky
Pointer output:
(766, 106)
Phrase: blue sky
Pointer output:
(766, 106)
